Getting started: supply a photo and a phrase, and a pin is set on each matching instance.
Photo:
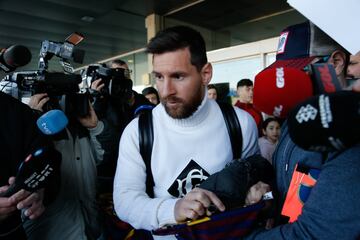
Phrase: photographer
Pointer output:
(73, 215)
(19, 137)
(116, 110)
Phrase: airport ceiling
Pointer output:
(113, 27)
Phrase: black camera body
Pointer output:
(56, 84)
(116, 80)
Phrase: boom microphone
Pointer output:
(13, 57)
(328, 122)
(277, 90)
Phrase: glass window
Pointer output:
(234, 70)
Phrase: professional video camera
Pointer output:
(116, 80)
(55, 83)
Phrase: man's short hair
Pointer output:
(149, 90)
(118, 62)
(211, 86)
(179, 37)
(244, 82)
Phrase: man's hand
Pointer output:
(91, 120)
(37, 101)
(195, 204)
(7, 204)
(33, 204)
(97, 85)
(256, 192)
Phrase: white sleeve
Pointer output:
(96, 146)
(249, 133)
(131, 202)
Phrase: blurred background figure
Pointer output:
(271, 132)
(245, 91)
(212, 91)
(152, 95)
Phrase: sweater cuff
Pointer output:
(98, 129)
(166, 212)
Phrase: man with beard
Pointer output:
(185, 151)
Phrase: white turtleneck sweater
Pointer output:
(202, 138)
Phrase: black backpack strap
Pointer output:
(233, 127)
(146, 138)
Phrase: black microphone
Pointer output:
(13, 57)
(328, 122)
(40, 165)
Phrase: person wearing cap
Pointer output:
(330, 210)
(245, 91)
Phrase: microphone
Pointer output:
(277, 90)
(35, 171)
(328, 122)
(52, 122)
(13, 57)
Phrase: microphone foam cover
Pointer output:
(52, 122)
(277, 90)
(17, 56)
(328, 122)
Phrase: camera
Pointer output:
(116, 80)
(56, 84)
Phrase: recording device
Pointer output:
(52, 122)
(56, 84)
(328, 122)
(13, 57)
(34, 172)
(116, 80)
(277, 90)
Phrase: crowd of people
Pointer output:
(103, 162)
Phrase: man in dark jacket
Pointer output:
(19, 136)
(330, 210)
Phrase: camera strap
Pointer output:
(146, 138)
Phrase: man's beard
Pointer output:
(184, 110)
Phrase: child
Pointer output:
(271, 132)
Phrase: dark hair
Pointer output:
(150, 90)
(179, 37)
(244, 82)
(269, 120)
(211, 86)
(118, 62)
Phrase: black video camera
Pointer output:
(56, 83)
(116, 80)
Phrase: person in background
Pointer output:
(353, 72)
(184, 152)
(245, 91)
(271, 132)
(323, 205)
(212, 91)
(152, 95)
(19, 136)
(74, 213)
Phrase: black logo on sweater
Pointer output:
(189, 178)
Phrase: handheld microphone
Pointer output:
(52, 122)
(35, 171)
(328, 122)
(13, 57)
(277, 90)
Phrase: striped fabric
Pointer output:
(228, 225)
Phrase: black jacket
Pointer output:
(19, 136)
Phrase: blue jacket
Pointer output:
(332, 210)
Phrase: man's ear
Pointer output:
(338, 59)
(206, 73)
